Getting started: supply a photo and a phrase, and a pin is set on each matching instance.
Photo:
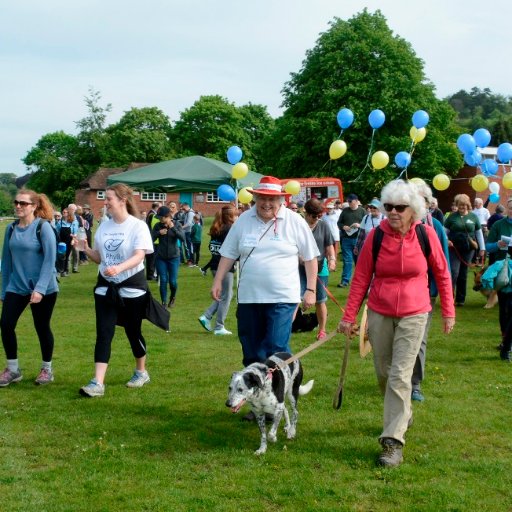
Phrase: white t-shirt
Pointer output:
(482, 214)
(369, 222)
(269, 252)
(116, 243)
(332, 221)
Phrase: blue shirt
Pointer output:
(27, 265)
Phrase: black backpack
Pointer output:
(421, 233)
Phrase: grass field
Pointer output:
(174, 446)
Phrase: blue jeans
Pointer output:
(168, 274)
(347, 253)
(189, 249)
(264, 329)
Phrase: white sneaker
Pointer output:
(93, 389)
(221, 332)
(138, 379)
(205, 323)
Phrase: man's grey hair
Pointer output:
(402, 192)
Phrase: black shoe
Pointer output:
(505, 355)
(342, 285)
(171, 302)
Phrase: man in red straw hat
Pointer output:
(268, 239)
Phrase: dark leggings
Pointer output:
(106, 317)
(12, 309)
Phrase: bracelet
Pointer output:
(310, 290)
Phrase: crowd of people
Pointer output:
(398, 251)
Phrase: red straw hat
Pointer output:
(269, 186)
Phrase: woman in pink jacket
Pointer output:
(398, 305)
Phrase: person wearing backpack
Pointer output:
(29, 277)
(398, 304)
(67, 227)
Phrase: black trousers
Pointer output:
(13, 307)
(106, 318)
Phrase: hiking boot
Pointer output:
(205, 322)
(391, 455)
(222, 332)
(138, 379)
(505, 355)
(417, 395)
(92, 389)
(8, 377)
(45, 377)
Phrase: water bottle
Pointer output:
(81, 234)
(61, 249)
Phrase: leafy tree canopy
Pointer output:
(361, 65)
(213, 124)
(480, 108)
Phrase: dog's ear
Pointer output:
(255, 379)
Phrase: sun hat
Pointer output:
(269, 186)
(374, 202)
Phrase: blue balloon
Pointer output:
(420, 119)
(482, 137)
(466, 143)
(234, 155)
(402, 159)
(494, 198)
(473, 158)
(226, 193)
(345, 118)
(505, 152)
(489, 167)
(376, 118)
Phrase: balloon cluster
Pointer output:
(227, 192)
(417, 133)
(470, 146)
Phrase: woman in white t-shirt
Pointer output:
(120, 246)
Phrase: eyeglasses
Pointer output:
(372, 207)
(21, 203)
(400, 208)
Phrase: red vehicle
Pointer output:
(325, 189)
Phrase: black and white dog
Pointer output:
(265, 391)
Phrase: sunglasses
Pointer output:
(21, 203)
(372, 207)
(400, 208)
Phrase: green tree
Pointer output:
(361, 65)
(141, 135)
(481, 108)
(91, 131)
(57, 170)
(213, 124)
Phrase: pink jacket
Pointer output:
(400, 286)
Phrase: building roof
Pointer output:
(98, 179)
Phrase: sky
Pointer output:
(168, 53)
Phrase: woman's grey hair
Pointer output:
(424, 191)
(403, 192)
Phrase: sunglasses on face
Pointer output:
(372, 207)
(399, 208)
(21, 203)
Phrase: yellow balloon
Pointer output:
(417, 134)
(417, 181)
(479, 183)
(244, 196)
(507, 180)
(338, 149)
(380, 159)
(292, 187)
(441, 182)
(239, 171)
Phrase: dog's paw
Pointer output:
(272, 437)
(290, 432)
(260, 451)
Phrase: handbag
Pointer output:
(503, 277)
